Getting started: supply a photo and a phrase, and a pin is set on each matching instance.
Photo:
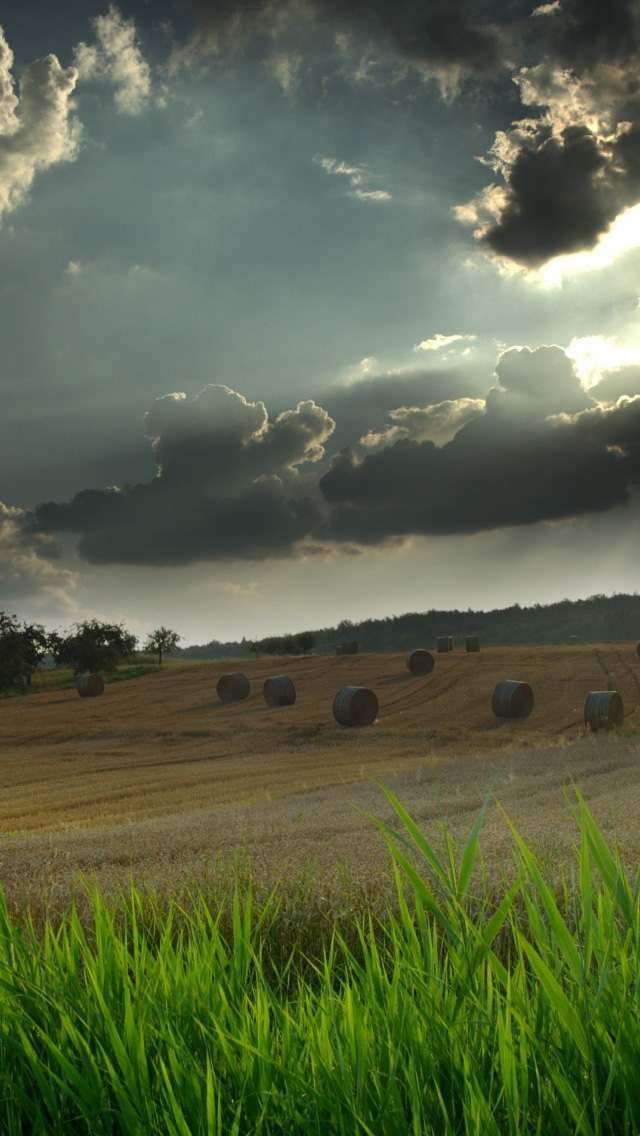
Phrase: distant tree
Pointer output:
(287, 645)
(275, 645)
(22, 649)
(36, 645)
(161, 642)
(270, 645)
(93, 646)
(12, 655)
(306, 641)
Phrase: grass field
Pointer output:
(465, 1013)
(249, 964)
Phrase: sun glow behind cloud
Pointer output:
(623, 235)
(594, 354)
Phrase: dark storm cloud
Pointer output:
(586, 32)
(514, 465)
(563, 193)
(445, 33)
(157, 524)
(571, 164)
(228, 486)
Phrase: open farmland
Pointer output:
(158, 776)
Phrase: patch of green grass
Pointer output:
(63, 678)
(459, 1013)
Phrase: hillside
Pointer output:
(597, 619)
(165, 743)
(159, 778)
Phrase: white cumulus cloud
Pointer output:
(117, 58)
(37, 127)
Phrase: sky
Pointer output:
(314, 310)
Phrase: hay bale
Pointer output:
(350, 648)
(442, 644)
(279, 691)
(233, 687)
(355, 706)
(603, 710)
(420, 661)
(512, 699)
(90, 685)
(473, 643)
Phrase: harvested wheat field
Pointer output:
(159, 777)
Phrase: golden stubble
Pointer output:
(159, 779)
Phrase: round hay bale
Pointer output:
(355, 706)
(473, 642)
(279, 691)
(90, 685)
(233, 687)
(603, 710)
(512, 699)
(420, 661)
(442, 644)
(350, 648)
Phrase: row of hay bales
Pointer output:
(352, 706)
(444, 644)
(358, 705)
(603, 709)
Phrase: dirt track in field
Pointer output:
(158, 776)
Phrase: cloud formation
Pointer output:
(438, 423)
(571, 167)
(234, 484)
(37, 127)
(27, 565)
(542, 450)
(357, 177)
(439, 342)
(564, 170)
(229, 485)
(116, 58)
(446, 38)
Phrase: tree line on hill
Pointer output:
(94, 646)
(596, 619)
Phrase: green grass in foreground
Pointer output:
(460, 1014)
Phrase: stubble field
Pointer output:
(158, 779)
